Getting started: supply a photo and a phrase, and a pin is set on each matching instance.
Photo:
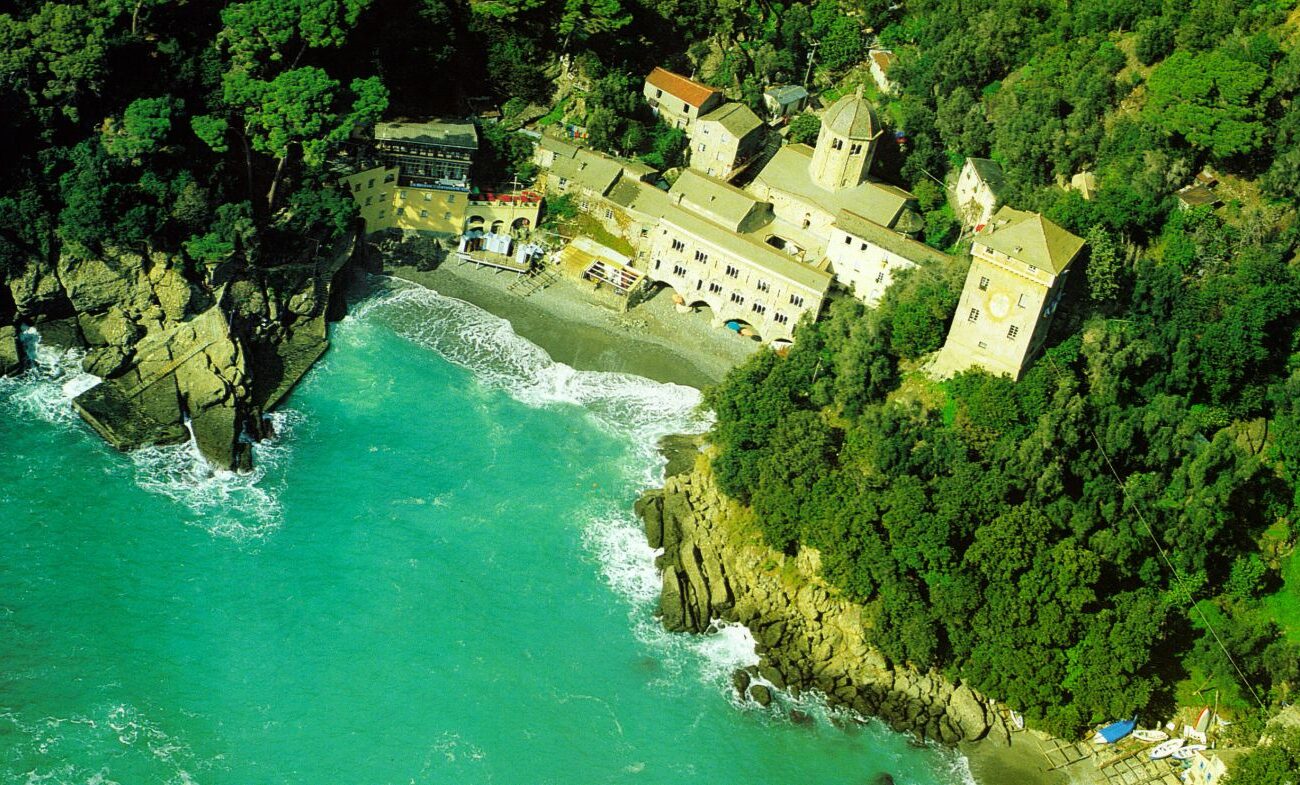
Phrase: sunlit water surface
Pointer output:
(434, 576)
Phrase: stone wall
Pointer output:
(715, 566)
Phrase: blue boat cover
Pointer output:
(1117, 730)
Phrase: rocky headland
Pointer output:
(716, 567)
(215, 345)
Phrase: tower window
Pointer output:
(855, 149)
(974, 315)
(764, 286)
(732, 272)
(984, 283)
(1012, 331)
(796, 300)
(837, 144)
(880, 277)
(737, 298)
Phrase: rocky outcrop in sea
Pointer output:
(717, 568)
(175, 343)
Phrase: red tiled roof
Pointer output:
(688, 90)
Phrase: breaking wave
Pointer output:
(45, 389)
(239, 506)
(228, 504)
(486, 345)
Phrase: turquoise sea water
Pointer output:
(433, 577)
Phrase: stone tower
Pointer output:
(846, 143)
(1019, 263)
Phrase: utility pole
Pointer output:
(812, 53)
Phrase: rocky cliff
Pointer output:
(217, 345)
(715, 566)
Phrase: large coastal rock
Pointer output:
(716, 567)
(216, 347)
(11, 354)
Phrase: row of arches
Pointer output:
(721, 312)
(497, 226)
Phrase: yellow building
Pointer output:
(385, 204)
(1019, 264)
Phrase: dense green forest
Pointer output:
(148, 125)
(1068, 542)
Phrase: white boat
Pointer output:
(1165, 749)
(1186, 751)
(1203, 720)
(1150, 736)
(1017, 720)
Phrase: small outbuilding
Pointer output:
(783, 102)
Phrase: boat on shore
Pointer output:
(1165, 749)
(1150, 736)
(1186, 751)
(1202, 723)
(1114, 732)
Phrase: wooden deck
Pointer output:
(494, 261)
(532, 281)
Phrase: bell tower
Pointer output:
(846, 144)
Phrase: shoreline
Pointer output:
(1019, 763)
(713, 567)
(577, 329)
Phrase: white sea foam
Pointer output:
(634, 408)
(229, 504)
(45, 389)
(615, 538)
(239, 506)
(487, 345)
(46, 747)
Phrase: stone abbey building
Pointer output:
(760, 258)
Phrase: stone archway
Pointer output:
(745, 330)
